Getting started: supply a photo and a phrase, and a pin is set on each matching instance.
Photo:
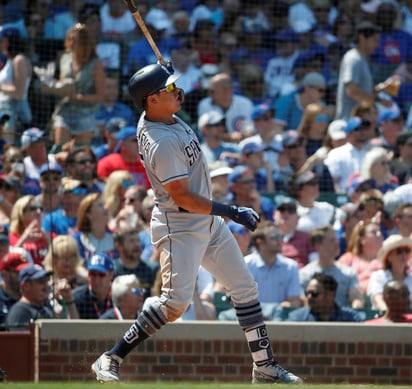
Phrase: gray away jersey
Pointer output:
(171, 152)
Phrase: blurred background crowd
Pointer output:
(303, 112)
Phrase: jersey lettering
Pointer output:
(144, 143)
(192, 151)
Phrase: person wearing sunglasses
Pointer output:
(395, 256)
(26, 230)
(296, 244)
(124, 158)
(343, 161)
(320, 302)
(127, 296)
(81, 165)
(94, 298)
(188, 230)
(50, 179)
(376, 170)
(63, 220)
(326, 245)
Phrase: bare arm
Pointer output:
(22, 72)
(379, 302)
(184, 198)
(99, 80)
(356, 93)
(356, 298)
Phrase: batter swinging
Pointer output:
(189, 230)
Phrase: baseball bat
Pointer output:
(136, 14)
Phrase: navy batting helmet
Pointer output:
(149, 80)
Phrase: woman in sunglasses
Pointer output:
(395, 257)
(114, 191)
(314, 125)
(26, 230)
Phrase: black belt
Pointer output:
(179, 208)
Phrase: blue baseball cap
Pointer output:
(30, 136)
(51, 167)
(33, 272)
(352, 124)
(252, 147)
(392, 113)
(126, 133)
(286, 201)
(237, 173)
(260, 109)
(10, 32)
(100, 262)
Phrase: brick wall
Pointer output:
(217, 351)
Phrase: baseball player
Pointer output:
(189, 230)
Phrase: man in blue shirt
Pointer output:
(320, 294)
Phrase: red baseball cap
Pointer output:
(14, 261)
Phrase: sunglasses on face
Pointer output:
(265, 118)
(77, 191)
(363, 126)
(5, 186)
(247, 182)
(34, 208)
(320, 90)
(312, 293)
(137, 291)
(311, 182)
(127, 184)
(290, 210)
(84, 161)
(168, 88)
(295, 146)
(129, 200)
(276, 237)
(402, 250)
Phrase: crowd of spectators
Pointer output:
(303, 112)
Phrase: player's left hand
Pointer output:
(246, 216)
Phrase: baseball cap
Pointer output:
(336, 129)
(100, 262)
(367, 28)
(51, 167)
(314, 79)
(238, 172)
(12, 261)
(10, 32)
(252, 147)
(30, 136)
(33, 272)
(290, 138)
(392, 113)
(355, 182)
(208, 71)
(301, 26)
(286, 201)
(210, 118)
(158, 19)
(286, 35)
(259, 110)
(126, 133)
(4, 117)
(353, 124)
(11, 180)
(114, 125)
(222, 170)
(404, 138)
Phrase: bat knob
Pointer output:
(169, 67)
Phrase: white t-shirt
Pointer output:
(237, 116)
(121, 25)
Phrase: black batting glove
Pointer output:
(245, 216)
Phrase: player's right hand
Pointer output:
(245, 216)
